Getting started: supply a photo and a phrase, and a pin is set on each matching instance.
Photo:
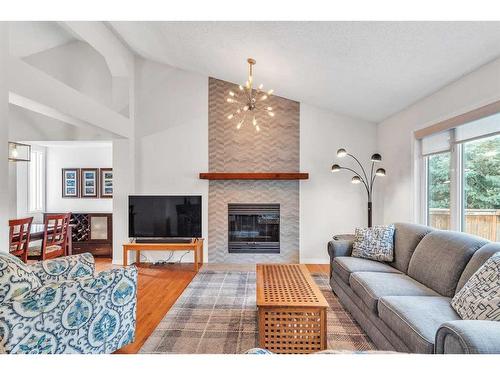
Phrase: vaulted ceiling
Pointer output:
(368, 70)
(30, 37)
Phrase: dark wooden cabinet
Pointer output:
(92, 233)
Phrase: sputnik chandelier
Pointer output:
(248, 101)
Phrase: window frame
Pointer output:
(424, 188)
(457, 183)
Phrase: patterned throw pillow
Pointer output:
(376, 243)
(16, 279)
(479, 299)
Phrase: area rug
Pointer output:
(217, 314)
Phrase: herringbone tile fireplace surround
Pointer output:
(274, 149)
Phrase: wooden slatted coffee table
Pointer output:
(291, 309)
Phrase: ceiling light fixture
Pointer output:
(247, 101)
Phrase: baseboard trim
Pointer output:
(314, 260)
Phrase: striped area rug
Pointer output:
(217, 314)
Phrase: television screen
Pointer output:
(164, 216)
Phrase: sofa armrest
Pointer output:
(341, 245)
(468, 337)
(90, 315)
(72, 267)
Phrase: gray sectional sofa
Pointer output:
(405, 305)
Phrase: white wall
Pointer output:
(329, 203)
(123, 185)
(396, 135)
(4, 136)
(171, 135)
(66, 155)
(76, 155)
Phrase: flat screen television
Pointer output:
(164, 216)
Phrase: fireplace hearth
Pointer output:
(254, 228)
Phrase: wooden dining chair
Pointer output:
(54, 238)
(19, 237)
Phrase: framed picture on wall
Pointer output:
(89, 182)
(106, 184)
(70, 183)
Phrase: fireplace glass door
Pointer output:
(254, 228)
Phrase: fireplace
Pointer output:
(254, 228)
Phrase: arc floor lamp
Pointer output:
(358, 178)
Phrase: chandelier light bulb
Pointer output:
(249, 101)
(380, 172)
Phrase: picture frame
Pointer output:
(89, 182)
(106, 183)
(70, 183)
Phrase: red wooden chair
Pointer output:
(54, 239)
(19, 237)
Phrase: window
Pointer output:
(36, 181)
(462, 178)
(438, 191)
(481, 176)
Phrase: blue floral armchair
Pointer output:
(61, 306)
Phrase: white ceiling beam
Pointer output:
(95, 33)
(33, 88)
(33, 106)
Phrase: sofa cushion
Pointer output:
(344, 266)
(16, 278)
(376, 243)
(441, 257)
(406, 238)
(479, 299)
(416, 319)
(477, 260)
(371, 286)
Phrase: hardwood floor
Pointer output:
(319, 268)
(158, 289)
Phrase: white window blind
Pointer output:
(36, 181)
(436, 143)
(484, 127)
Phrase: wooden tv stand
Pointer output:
(195, 245)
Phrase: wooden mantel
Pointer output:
(254, 176)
